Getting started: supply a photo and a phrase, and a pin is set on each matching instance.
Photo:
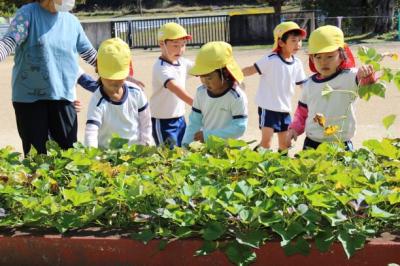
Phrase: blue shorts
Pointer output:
(168, 132)
(276, 120)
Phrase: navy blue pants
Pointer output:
(42, 120)
(168, 132)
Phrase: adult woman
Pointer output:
(47, 40)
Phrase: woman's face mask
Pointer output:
(65, 6)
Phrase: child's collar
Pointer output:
(169, 62)
(120, 101)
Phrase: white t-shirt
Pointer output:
(277, 82)
(337, 107)
(218, 111)
(122, 117)
(164, 104)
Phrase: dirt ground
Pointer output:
(369, 114)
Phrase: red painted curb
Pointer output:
(116, 250)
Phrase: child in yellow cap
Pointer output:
(169, 97)
(279, 73)
(326, 107)
(220, 106)
(117, 106)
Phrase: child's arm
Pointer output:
(93, 122)
(87, 82)
(173, 86)
(91, 134)
(250, 70)
(145, 130)
(195, 125)
(234, 130)
(298, 124)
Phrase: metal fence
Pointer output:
(143, 33)
(353, 25)
(3, 29)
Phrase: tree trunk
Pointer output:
(384, 9)
(277, 4)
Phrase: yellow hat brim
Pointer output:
(233, 68)
(120, 75)
(327, 49)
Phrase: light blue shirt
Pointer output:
(46, 57)
(224, 116)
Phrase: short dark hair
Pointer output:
(295, 33)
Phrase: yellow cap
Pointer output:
(325, 39)
(113, 59)
(213, 56)
(284, 27)
(172, 31)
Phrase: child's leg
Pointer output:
(282, 140)
(266, 137)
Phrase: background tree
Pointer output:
(276, 4)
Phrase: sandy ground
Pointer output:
(369, 114)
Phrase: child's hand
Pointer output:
(292, 134)
(78, 106)
(365, 75)
(199, 136)
(365, 71)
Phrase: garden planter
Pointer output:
(110, 248)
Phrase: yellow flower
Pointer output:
(330, 130)
(395, 56)
(320, 119)
(339, 186)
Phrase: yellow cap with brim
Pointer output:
(172, 31)
(113, 59)
(325, 39)
(284, 27)
(213, 56)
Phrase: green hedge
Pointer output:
(219, 191)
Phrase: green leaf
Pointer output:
(243, 188)
(252, 239)
(388, 121)
(184, 232)
(324, 240)
(386, 75)
(396, 80)
(351, 242)
(67, 221)
(379, 213)
(394, 198)
(145, 236)
(326, 91)
(239, 254)
(209, 192)
(207, 248)
(385, 148)
(268, 219)
(301, 246)
(287, 234)
(213, 231)
(77, 198)
(117, 142)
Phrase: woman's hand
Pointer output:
(77, 105)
